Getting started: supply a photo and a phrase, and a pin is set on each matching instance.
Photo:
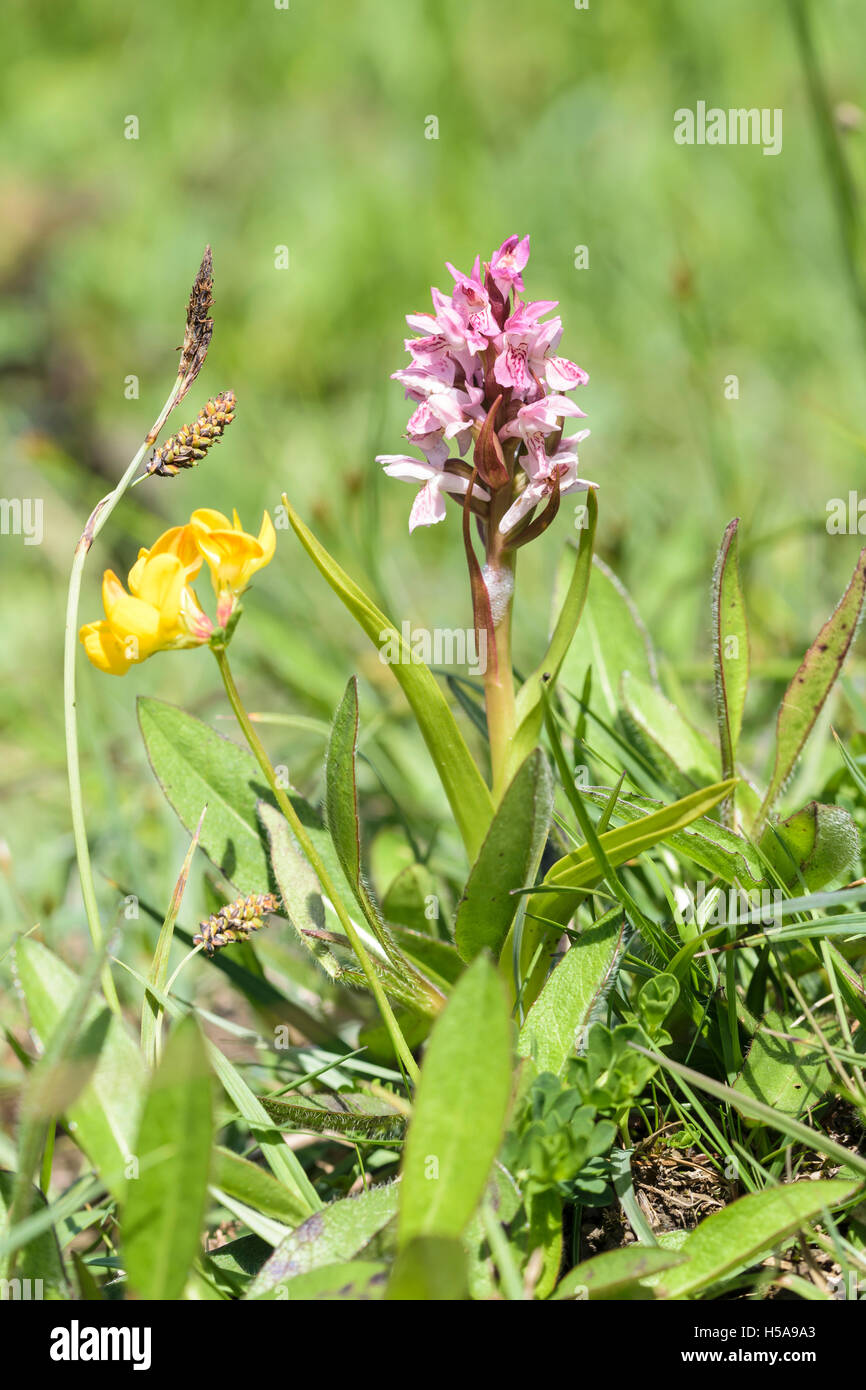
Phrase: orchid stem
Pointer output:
(98, 517)
(329, 889)
(498, 675)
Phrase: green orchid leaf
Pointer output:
(730, 648)
(102, 1117)
(617, 1274)
(684, 757)
(509, 859)
(167, 1192)
(529, 706)
(253, 1185)
(612, 640)
(336, 1234)
(816, 845)
(751, 1227)
(786, 1068)
(556, 1025)
(806, 695)
(579, 869)
(430, 1269)
(467, 793)
(459, 1110)
(556, 899)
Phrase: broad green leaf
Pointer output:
(815, 845)
(543, 1233)
(68, 1060)
(103, 1117)
(787, 1068)
(166, 1197)
(509, 859)
(343, 820)
(529, 708)
(804, 699)
(467, 793)
(341, 797)
(430, 1269)
(256, 1187)
(351, 1281)
(730, 648)
(408, 897)
(299, 887)
(685, 757)
(337, 1233)
(460, 1108)
(556, 1025)
(617, 1274)
(612, 639)
(39, 1263)
(748, 1229)
(230, 1267)
(196, 766)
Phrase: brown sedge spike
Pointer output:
(186, 448)
(235, 922)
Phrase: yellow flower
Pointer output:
(159, 613)
(233, 555)
(179, 541)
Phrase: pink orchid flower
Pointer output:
(481, 342)
(472, 303)
(507, 263)
(429, 504)
(562, 466)
(534, 422)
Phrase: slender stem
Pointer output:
(328, 887)
(499, 676)
(98, 517)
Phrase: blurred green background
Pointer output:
(305, 127)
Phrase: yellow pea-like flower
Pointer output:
(159, 613)
(232, 555)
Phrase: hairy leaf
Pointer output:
(804, 699)
(509, 859)
(460, 1108)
